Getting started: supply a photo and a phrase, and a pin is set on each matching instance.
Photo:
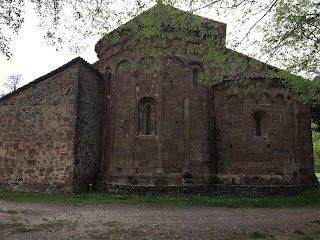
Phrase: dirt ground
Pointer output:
(124, 221)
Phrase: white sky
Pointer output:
(32, 57)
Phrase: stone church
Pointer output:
(104, 126)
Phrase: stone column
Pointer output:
(186, 117)
(186, 175)
(133, 167)
(160, 109)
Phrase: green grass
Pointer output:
(117, 230)
(255, 235)
(113, 224)
(316, 148)
(9, 225)
(318, 176)
(307, 238)
(19, 227)
(12, 212)
(258, 235)
(41, 227)
(9, 211)
(310, 198)
(316, 221)
(299, 232)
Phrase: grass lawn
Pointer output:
(318, 176)
(310, 198)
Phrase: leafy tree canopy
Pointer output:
(290, 30)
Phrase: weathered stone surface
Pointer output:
(242, 190)
(275, 153)
(112, 126)
(38, 131)
(88, 130)
(208, 131)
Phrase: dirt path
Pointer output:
(121, 221)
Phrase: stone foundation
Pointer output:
(242, 190)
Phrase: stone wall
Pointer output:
(88, 128)
(305, 146)
(238, 190)
(37, 125)
(145, 92)
(173, 146)
(261, 137)
(118, 124)
(196, 136)
(200, 142)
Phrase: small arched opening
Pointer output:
(258, 116)
(195, 75)
(146, 117)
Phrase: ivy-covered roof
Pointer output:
(164, 17)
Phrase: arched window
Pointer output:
(195, 73)
(147, 117)
(258, 127)
(258, 117)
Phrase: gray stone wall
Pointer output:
(37, 125)
(88, 128)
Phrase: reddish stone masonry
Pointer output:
(118, 129)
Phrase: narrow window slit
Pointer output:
(258, 116)
(258, 127)
(195, 73)
(148, 120)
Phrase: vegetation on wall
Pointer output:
(290, 30)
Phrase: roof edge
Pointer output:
(51, 74)
(101, 42)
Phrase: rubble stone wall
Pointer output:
(37, 132)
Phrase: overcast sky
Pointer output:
(32, 57)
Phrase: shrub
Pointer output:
(316, 147)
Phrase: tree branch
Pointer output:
(268, 11)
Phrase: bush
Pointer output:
(316, 147)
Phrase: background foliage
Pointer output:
(316, 146)
(285, 32)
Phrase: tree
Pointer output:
(292, 36)
(11, 18)
(12, 82)
(315, 110)
(290, 28)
